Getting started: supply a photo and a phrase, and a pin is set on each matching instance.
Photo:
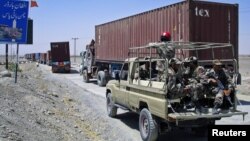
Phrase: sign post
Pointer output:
(17, 50)
(7, 56)
(13, 23)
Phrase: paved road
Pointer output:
(178, 135)
(100, 91)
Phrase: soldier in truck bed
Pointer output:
(175, 85)
(194, 79)
(221, 85)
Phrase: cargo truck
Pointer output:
(49, 58)
(196, 21)
(37, 57)
(60, 57)
(43, 58)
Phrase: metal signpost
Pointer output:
(13, 23)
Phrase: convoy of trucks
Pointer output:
(58, 57)
(195, 26)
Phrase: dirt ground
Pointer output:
(244, 69)
(43, 107)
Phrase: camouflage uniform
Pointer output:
(224, 82)
(160, 68)
(195, 83)
(194, 77)
(221, 85)
(174, 84)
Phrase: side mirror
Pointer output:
(117, 76)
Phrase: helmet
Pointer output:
(165, 36)
(187, 60)
(193, 60)
(174, 61)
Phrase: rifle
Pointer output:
(220, 85)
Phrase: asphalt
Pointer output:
(243, 100)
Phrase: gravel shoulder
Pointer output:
(44, 107)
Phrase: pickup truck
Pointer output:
(149, 98)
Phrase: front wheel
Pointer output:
(148, 126)
(85, 76)
(111, 109)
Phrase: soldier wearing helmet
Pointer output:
(195, 78)
(175, 86)
(165, 37)
(196, 71)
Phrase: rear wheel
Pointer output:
(148, 126)
(111, 109)
(85, 76)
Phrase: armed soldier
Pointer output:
(221, 84)
(175, 84)
(195, 76)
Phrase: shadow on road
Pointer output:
(131, 120)
(74, 71)
(243, 102)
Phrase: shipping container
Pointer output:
(33, 57)
(60, 56)
(196, 21)
(49, 61)
(37, 57)
(43, 59)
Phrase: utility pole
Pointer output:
(75, 47)
(6, 55)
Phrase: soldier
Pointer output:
(175, 85)
(160, 68)
(143, 71)
(196, 71)
(195, 75)
(221, 84)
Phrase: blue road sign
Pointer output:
(13, 21)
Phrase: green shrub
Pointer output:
(12, 67)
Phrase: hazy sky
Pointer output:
(62, 20)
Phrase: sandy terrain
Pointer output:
(244, 69)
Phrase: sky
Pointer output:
(62, 20)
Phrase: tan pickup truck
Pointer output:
(149, 97)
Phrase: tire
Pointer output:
(85, 76)
(147, 125)
(111, 109)
(101, 80)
